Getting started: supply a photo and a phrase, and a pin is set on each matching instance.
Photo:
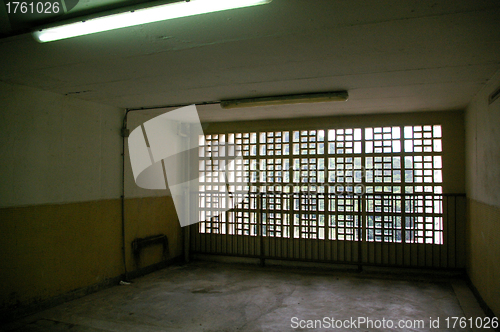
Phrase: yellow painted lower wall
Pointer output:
(50, 250)
(483, 241)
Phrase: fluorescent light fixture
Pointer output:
(287, 99)
(141, 16)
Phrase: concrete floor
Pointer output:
(207, 296)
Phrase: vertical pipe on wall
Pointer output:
(124, 134)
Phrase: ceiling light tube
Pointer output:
(287, 99)
(140, 16)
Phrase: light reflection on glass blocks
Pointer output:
(308, 180)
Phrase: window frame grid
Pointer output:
(304, 145)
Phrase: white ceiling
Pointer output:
(391, 55)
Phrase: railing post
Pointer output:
(260, 226)
(403, 227)
(360, 233)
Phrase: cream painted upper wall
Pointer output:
(483, 146)
(57, 149)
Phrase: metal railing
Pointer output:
(424, 230)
